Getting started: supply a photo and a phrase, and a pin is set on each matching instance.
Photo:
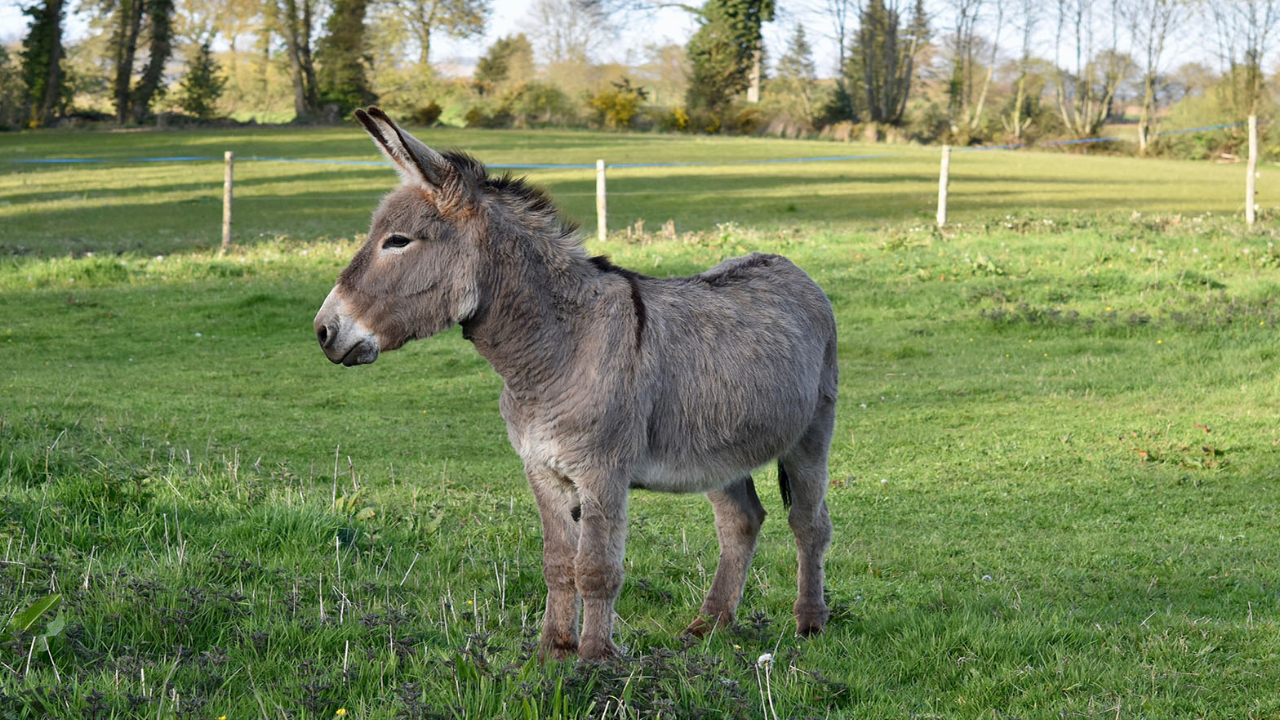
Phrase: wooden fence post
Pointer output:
(602, 205)
(944, 178)
(1251, 181)
(226, 201)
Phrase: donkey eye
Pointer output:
(396, 241)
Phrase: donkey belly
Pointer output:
(702, 472)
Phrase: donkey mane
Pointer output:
(528, 197)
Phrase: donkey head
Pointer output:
(417, 274)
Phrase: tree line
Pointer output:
(961, 71)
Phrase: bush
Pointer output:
(534, 103)
(480, 116)
(428, 114)
(616, 106)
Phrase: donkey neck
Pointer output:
(535, 302)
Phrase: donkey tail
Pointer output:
(784, 484)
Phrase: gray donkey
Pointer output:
(612, 380)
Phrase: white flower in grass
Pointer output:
(765, 660)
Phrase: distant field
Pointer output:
(163, 207)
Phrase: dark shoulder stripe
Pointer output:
(603, 264)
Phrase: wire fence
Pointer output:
(621, 165)
(600, 166)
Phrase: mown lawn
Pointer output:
(1054, 484)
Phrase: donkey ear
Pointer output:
(416, 163)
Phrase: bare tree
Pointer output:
(569, 31)
(1243, 34)
(456, 18)
(1085, 90)
(964, 109)
(1017, 120)
(1150, 22)
(294, 19)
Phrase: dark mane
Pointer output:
(530, 196)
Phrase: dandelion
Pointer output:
(222, 717)
(341, 712)
(1159, 342)
(765, 660)
(883, 481)
(737, 647)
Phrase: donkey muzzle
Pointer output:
(343, 339)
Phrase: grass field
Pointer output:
(1054, 482)
(163, 207)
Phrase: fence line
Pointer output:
(592, 166)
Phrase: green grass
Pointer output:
(1054, 485)
(163, 207)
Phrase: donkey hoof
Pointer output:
(811, 622)
(599, 650)
(707, 622)
(556, 649)
(698, 628)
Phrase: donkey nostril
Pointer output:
(323, 334)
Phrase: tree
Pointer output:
(840, 14)
(1244, 34)
(1085, 91)
(725, 51)
(13, 93)
(796, 73)
(456, 18)
(133, 102)
(883, 59)
(293, 19)
(569, 31)
(202, 84)
(1019, 116)
(964, 110)
(343, 57)
(42, 61)
(124, 44)
(159, 49)
(1150, 21)
(508, 59)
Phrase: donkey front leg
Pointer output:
(556, 505)
(739, 516)
(599, 563)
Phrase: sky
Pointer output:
(668, 25)
(672, 25)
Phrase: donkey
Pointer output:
(612, 380)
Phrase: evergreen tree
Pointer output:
(882, 61)
(723, 50)
(797, 73)
(202, 84)
(42, 61)
(343, 58)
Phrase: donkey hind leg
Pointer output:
(598, 566)
(557, 506)
(804, 469)
(739, 516)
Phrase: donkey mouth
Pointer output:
(360, 354)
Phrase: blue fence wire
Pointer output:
(585, 166)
